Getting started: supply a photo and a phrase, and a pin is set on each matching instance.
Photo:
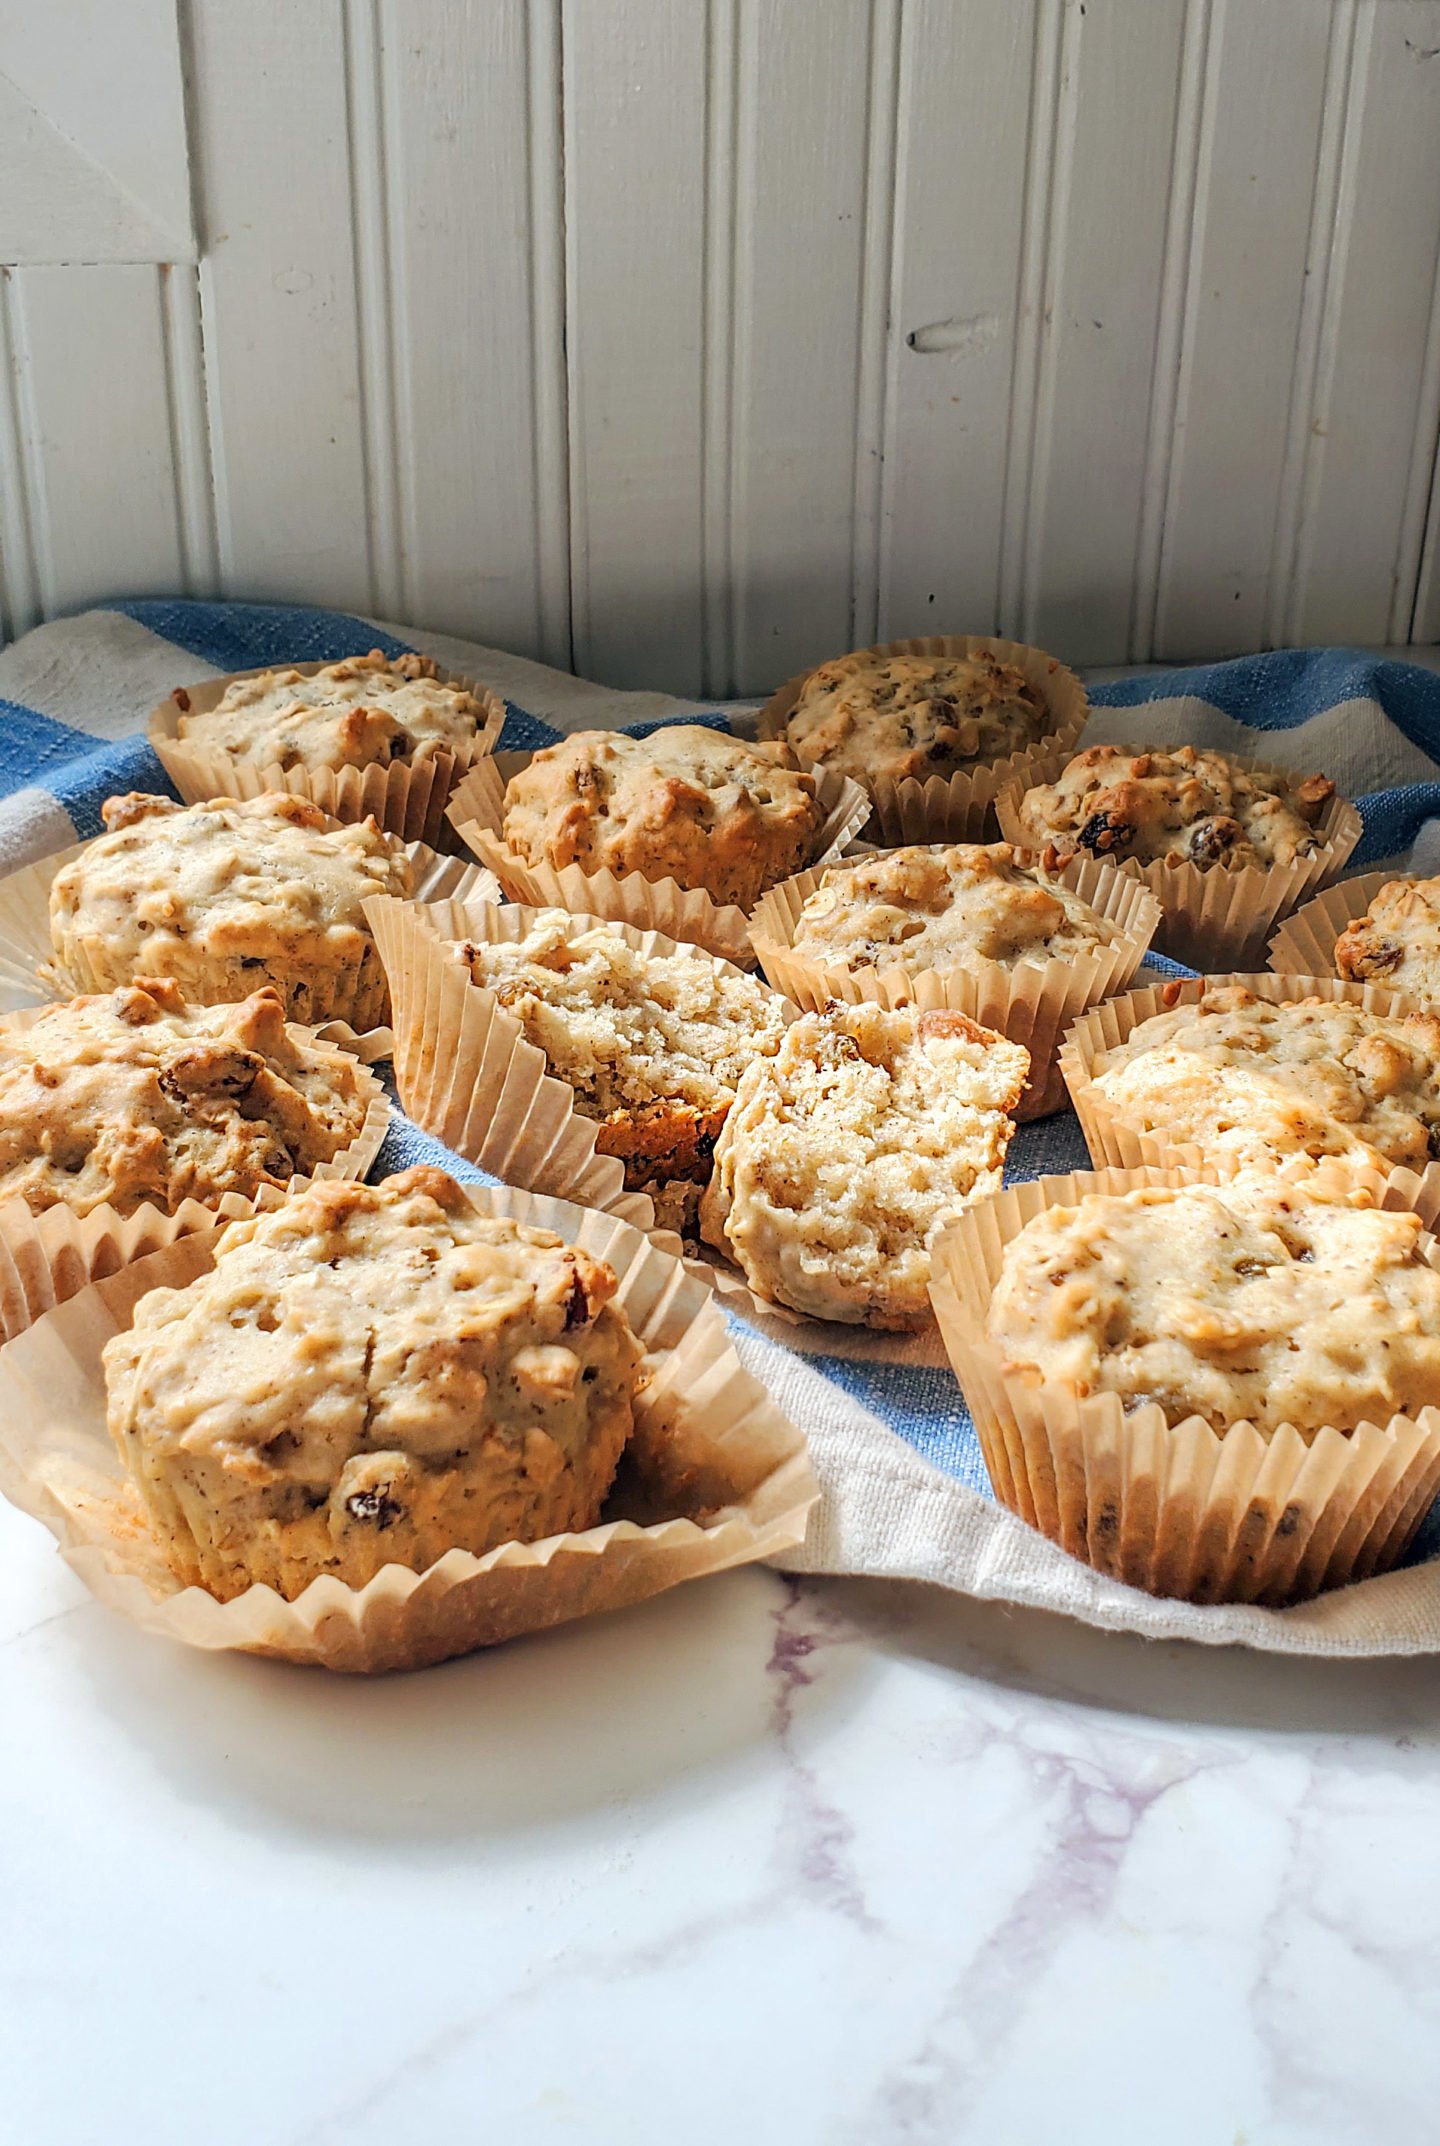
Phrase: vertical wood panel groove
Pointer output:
(370, 237)
(1041, 427)
(1030, 305)
(872, 369)
(19, 573)
(579, 544)
(1417, 587)
(32, 461)
(544, 81)
(1194, 93)
(189, 428)
(717, 668)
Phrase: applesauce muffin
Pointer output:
(1254, 1079)
(1397, 941)
(850, 1148)
(372, 1375)
(653, 1045)
(686, 803)
(1254, 1301)
(882, 717)
(225, 896)
(137, 1096)
(355, 713)
(945, 906)
(1191, 805)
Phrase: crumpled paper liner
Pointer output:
(477, 812)
(25, 945)
(1114, 1144)
(960, 808)
(465, 1070)
(715, 1476)
(1213, 917)
(1305, 943)
(1032, 1003)
(406, 800)
(1179, 1511)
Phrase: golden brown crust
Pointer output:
(879, 717)
(362, 710)
(1397, 941)
(1191, 805)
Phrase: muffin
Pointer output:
(943, 907)
(850, 1148)
(1397, 941)
(686, 803)
(227, 895)
(653, 1045)
(1252, 1079)
(137, 1096)
(356, 713)
(1253, 1301)
(372, 1375)
(1191, 806)
(882, 716)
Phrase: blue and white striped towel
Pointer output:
(906, 1494)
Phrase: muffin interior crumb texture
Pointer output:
(1190, 806)
(938, 906)
(1252, 1302)
(137, 1096)
(353, 713)
(1244, 1077)
(372, 1375)
(878, 717)
(846, 1151)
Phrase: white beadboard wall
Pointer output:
(684, 342)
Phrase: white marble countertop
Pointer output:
(761, 1861)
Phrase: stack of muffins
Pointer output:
(1210, 1371)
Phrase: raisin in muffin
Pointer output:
(882, 717)
(372, 1375)
(1253, 1301)
(227, 895)
(355, 713)
(941, 907)
(1397, 941)
(137, 1096)
(850, 1148)
(686, 803)
(1191, 805)
(1252, 1078)
(653, 1045)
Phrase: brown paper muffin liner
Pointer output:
(1032, 1002)
(1184, 1511)
(465, 1071)
(358, 997)
(1213, 918)
(1115, 1144)
(960, 808)
(714, 1476)
(406, 800)
(477, 812)
(1305, 943)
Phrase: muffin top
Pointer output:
(846, 1151)
(877, 717)
(1241, 1076)
(1248, 1302)
(137, 1096)
(627, 1029)
(686, 803)
(350, 714)
(234, 880)
(1191, 805)
(940, 907)
(361, 1345)
(1397, 941)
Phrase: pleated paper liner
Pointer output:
(464, 1069)
(1305, 943)
(1214, 917)
(1176, 1510)
(961, 807)
(1115, 1144)
(477, 811)
(407, 800)
(1032, 1002)
(25, 945)
(715, 1476)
